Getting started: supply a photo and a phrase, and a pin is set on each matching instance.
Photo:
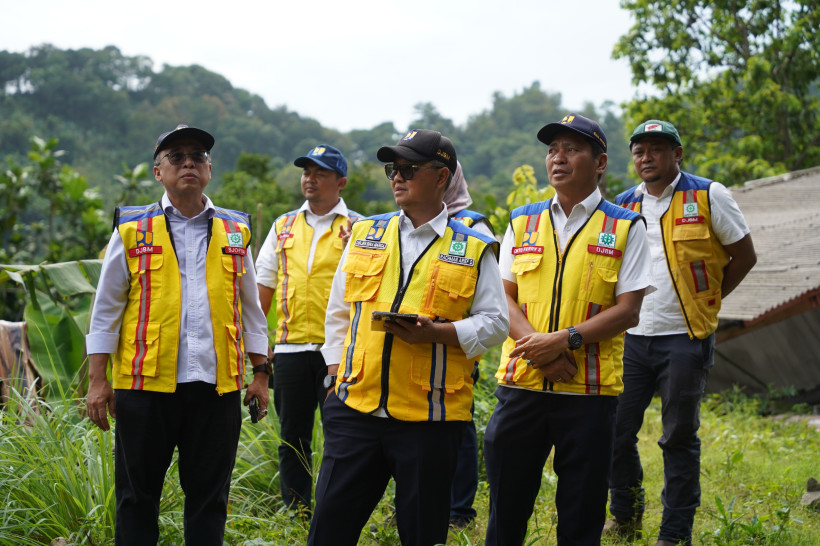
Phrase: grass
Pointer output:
(56, 480)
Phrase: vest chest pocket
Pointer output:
(450, 290)
(526, 268)
(234, 264)
(692, 242)
(598, 284)
(432, 374)
(146, 276)
(141, 355)
(364, 274)
(284, 241)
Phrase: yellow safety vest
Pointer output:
(149, 338)
(419, 382)
(556, 291)
(694, 255)
(301, 297)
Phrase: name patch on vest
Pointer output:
(235, 250)
(458, 260)
(377, 245)
(529, 249)
(283, 236)
(604, 251)
(693, 220)
(145, 249)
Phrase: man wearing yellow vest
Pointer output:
(575, 269)
(700, 250)
(296, 266)
(177, 307)
(403, 389)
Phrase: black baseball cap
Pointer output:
(327, 157)
(421, 145)
(183, 131)
(574, 122)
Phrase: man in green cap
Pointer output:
(700, 250)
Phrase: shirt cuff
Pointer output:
(467, 339)
(256, 343)
(332, 355)
(102, 343)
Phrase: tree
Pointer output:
(737, 77)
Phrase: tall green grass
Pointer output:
(57, 479)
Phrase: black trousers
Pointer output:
(361, 453)
(297, 391)
(522, 431)
(204, 427)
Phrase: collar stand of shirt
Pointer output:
(172, 211)
(437, 224)
(667, 191)
(585, 207)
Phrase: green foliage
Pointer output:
(525, 191)
(738, 79)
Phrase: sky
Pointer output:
(356, 64)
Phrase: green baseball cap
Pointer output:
(655, 127)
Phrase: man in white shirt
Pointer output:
(700, 251)
(177, 307)
(295, 267)
(404, 391)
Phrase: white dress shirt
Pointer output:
(660, 312)
(196, 360)
(487, 325)
(267, 264)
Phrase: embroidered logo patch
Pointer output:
(604, 251)
(530, 238)
(235, 250)
(145, 238)
(516, 250)
(690, 210)
(362, 243)
(606, 240)
(458, 260)
(235, 239)
(458, 248)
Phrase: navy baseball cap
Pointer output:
(655, 127)
(327, 157)
(581, 125)
(183, 131)
(421, 145)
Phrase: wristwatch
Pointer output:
(329, 382)
(575, 338)
(267, 367)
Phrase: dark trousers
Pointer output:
(525, 426)
(204, 427)
(297, 391)
(678, 368)
(465, 480)
(361, 453)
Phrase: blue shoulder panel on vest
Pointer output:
(615, 211)
(133, 214)
(467, 213)
(692, 182)
(385, 216)
(354, 216)
(458, 227)
(235, 215)
(532, 208)
(628, 196)
(289, 213)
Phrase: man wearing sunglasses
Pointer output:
(177, 306)
(296, 265)
(403, 391)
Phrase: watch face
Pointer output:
(330, 380)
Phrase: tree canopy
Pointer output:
(737, 77)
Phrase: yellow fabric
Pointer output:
(301, 298)
(692, 249)
(557, 291)
(146, 358)
(420, 382)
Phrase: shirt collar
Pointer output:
(589, 204)
(437, 224)
(170, 209)
(339, 209)
(667, 191)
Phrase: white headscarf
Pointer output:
(457, 197)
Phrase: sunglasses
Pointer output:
(178, 158)
(406, 170)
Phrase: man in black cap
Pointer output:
(575, 269)
(701, 250)
(177, 306)
(403, 390)
(296, 264)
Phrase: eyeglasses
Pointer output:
(406, 170)
(178, 158)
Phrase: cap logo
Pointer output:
(653, 127)
(567, 120)
(445, 155)
(596, 135)
(318, 150)
(410, 135)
